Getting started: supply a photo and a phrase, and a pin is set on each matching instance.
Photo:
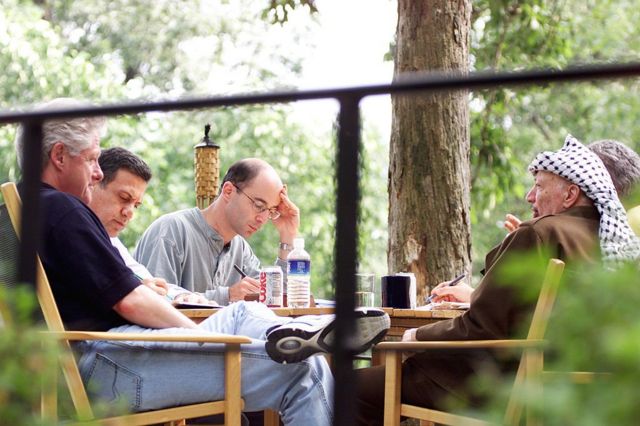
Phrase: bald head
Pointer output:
(242, 172)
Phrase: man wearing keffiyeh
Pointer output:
(578, 165)
(577, 218)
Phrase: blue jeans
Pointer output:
(152, 375)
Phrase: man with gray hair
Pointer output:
(577, 218)
(72, 165)
(622, 163)
(78, 156)
(95, 290)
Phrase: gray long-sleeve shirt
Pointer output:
(183, 249)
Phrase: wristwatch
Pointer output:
(285, 246)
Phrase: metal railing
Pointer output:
(347, 173)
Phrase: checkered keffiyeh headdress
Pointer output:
(581, 166)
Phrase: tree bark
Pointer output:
(429, 177)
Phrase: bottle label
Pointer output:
(299, 267)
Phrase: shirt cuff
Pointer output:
(282, 263)
(219, 295)
(175, 290)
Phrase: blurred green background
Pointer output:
(121, 50)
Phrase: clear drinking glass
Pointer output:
(365, 290)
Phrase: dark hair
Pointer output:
(622, 163)
(242, 171)
(113, 159)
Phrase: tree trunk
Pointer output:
(429, 178)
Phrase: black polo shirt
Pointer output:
(87, 275)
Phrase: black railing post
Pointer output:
(30, 217)
(346, 255)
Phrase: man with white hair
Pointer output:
(577, 218)
(95, 290)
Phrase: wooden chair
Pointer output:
(231, 406)
(529, 371)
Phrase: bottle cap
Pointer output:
(298, 243)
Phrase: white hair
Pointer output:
(77, 134)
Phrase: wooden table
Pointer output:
(404, 319)
(401, 319)
(199, 315)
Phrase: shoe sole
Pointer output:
(290, 345)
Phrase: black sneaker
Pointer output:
(310, 334)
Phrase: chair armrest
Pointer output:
(460, 344)
(148, 337)
(578, 377)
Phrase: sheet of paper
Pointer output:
(444, 306)
(196, 306)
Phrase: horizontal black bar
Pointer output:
(409, 83)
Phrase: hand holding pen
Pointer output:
(451, 283)
(245, 289)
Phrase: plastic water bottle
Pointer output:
(298, 276)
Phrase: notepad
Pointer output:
(444, 306)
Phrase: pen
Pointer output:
(240, 271)
(453, 282)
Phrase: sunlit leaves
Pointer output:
(278, 10)
(510, 35)
(594, 328)
(27, 360)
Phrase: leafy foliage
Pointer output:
(508, 35)
(189, 46)
(25, 354)
(278, 10)
(36, 67)
(114, 51)
(594, 329)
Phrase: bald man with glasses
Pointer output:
(197, 249)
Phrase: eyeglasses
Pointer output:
(260, 207)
